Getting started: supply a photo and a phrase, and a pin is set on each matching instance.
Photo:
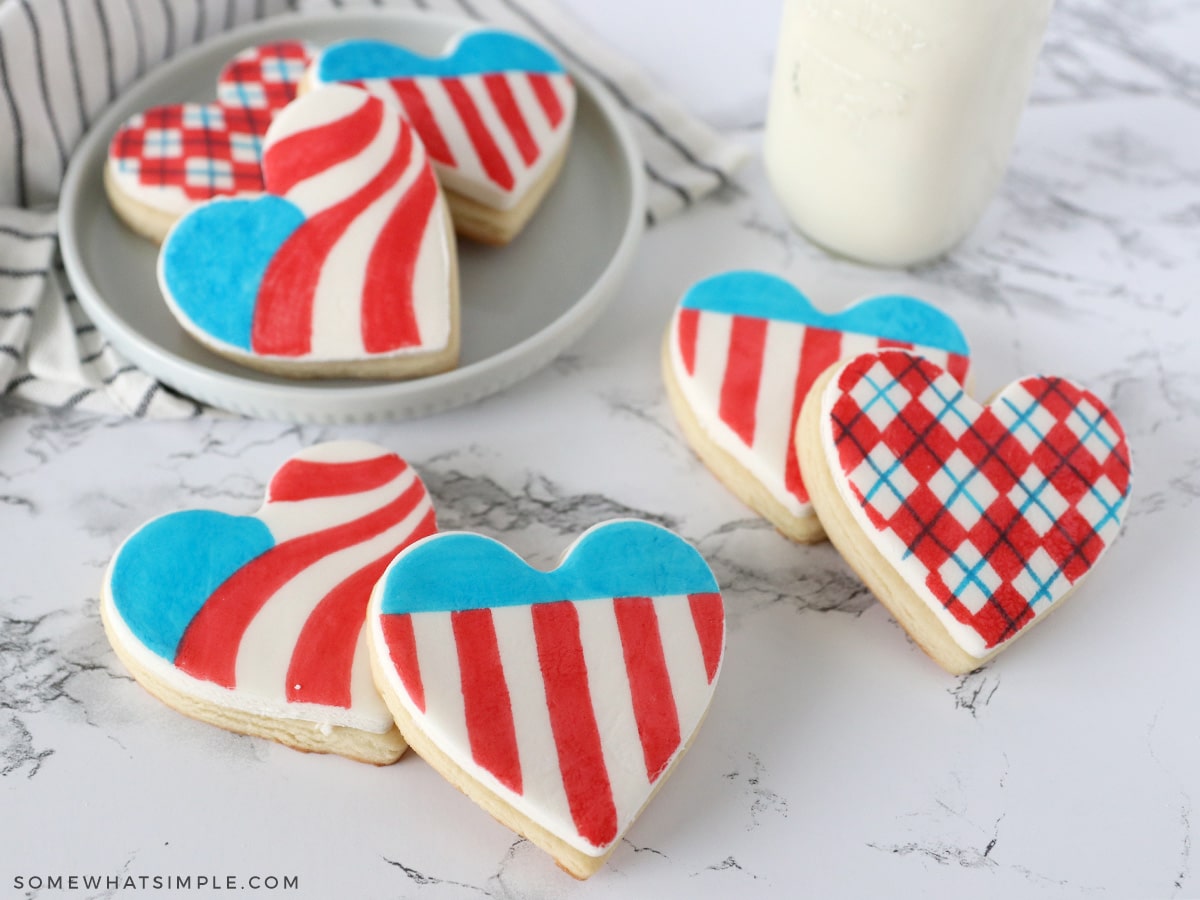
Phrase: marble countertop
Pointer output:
(836, 759)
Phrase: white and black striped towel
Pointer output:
(63, 61)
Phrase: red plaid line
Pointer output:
(997, 511)
(214, 149)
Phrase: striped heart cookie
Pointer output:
(494, 110)
(346, 268)
(256, 623)
(559, 701)
(169, 159)
(969, 522)
(739, 357)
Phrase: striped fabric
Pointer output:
(570, 709)
(62, 63)
(991, 513)
(50, 352)
(274, 609)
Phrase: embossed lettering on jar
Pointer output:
(890, 121)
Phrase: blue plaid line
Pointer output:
(281, 65)
(163, 141)
(1110, 509)
(206, 168)
(1023, 418)
(882, 478)
(251, 141)
(1093, 428)
(243, 97)
(880, 394)
(1034, 497)
(1043, 591)
(208, 116)
(950, 405)
(961, 488)
(971, 576)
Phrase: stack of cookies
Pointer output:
(308, 216)
(969, 522)
(337, 619)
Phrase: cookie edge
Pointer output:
(310, 737)
(856, 548)
(731, 473)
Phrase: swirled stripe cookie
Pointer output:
(255, 623)
(345, 268)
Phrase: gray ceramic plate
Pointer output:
(521, 304)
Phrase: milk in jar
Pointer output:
(890, 121)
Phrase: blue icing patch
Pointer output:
(459, 571)
(895, 317)
(168, 569)
(477, 53)
(214, 260)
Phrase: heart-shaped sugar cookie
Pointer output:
(255, 623)
(168, 159)
(558, 701)
(970, 523)
(739, 357)
(494, 110)
(346, 268)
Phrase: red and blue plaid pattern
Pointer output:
(991, 513)
(207, 150)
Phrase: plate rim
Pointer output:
(307, 401)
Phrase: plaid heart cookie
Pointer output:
(346, 267)
(559, 701)
(739, 357)
(255, 623)
(494, 109)
(166, 160)
(970, 523)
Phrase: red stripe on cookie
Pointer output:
(506, 104)
(486, 702)
(743, 372)
(543, 89)
(209, 647)
(573, 722)
(957, 365)
(401, 642)
(389, 320)
(312, 151)
(649, 682)
(708, 614)
(282, 323)
(300, 479)
(819, 349)
(485, 146)
(417, 111)
(322, 660)
(689, 327)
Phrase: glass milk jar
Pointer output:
(890, 121)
